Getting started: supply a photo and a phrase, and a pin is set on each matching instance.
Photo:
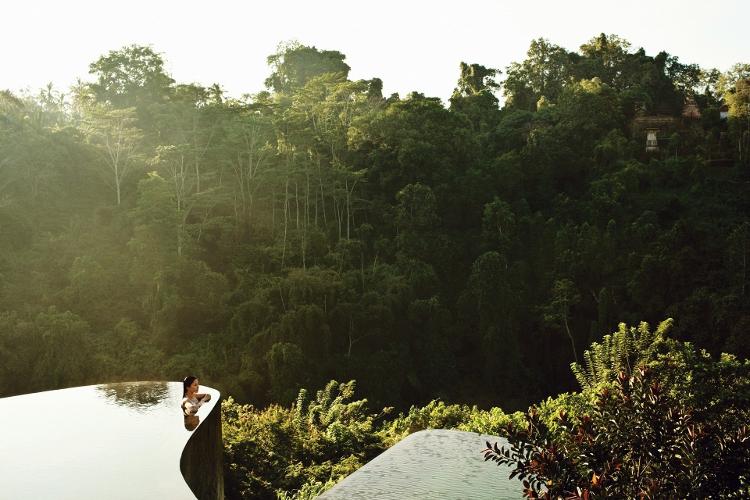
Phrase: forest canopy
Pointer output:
(468, 250)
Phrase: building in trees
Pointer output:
(690, 110)
(659, 127)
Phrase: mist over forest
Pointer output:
(467, 251)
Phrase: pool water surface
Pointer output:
(114, 441)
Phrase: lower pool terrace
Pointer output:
(433, 464)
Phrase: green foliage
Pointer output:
(127, 76)
(48, 350)
(438, 415)
(309, 491)
(298, 451)
(320, 231)
(672, 422)
(435, 415)
(542, 74)
(295, 64)
(621, 352)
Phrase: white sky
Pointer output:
(409, 44)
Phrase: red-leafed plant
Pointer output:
(675, 425)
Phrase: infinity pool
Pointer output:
(114, 441)
(431, 465)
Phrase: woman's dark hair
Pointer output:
(187, 382)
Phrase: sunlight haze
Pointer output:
(414, 45)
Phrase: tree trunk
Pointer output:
(348, 202)
(296, 204)
(339, 214)
(322, 195)
(117, 186)
(570, 336)
(286, 219)
(273, 213)
(197, 174)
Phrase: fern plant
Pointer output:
(621, 351)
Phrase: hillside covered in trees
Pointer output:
(467, 250)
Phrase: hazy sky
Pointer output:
(410, 45)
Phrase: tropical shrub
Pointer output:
(294, 452)
(672, 424)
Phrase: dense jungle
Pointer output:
(453, 258)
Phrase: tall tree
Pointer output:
(114, 134)
(543, 73)
(605, 57)
(131, 76)
(474, 95)
(295, 64)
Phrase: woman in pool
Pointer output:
(191, 399)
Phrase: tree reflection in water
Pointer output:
(139, 396)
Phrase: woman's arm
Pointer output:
(188, 408)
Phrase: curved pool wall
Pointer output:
(112, 441)
(202, 462)
(428, 465)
